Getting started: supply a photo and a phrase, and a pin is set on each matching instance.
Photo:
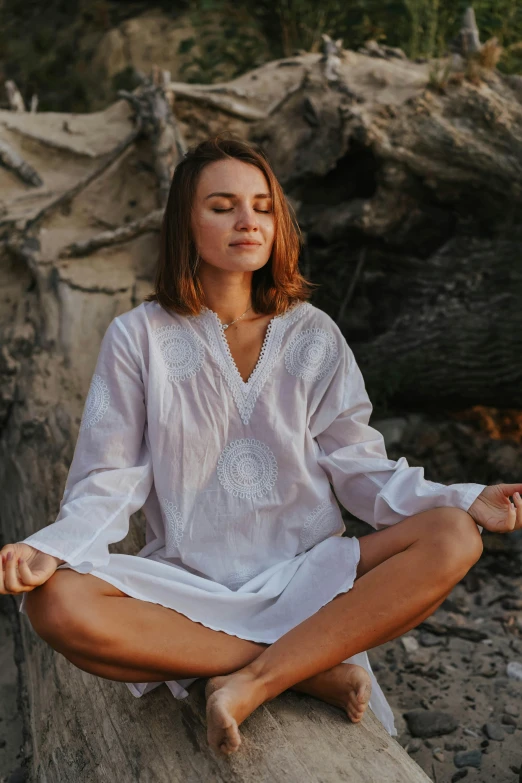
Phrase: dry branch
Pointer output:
(151, 222)
(156, 122)
(14, 162)
(14, 96)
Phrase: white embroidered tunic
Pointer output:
(236, 479)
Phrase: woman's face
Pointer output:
(232, 205)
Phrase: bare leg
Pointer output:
(102, 630)
(384, 602)
(338, 686)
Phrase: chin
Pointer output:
(242, 265)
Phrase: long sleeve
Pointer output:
(376, 489)
(110, 475)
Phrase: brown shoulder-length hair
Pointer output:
(275, 286)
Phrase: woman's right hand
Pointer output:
(34, 568)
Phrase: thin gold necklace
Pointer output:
(225, 326)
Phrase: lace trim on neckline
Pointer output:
(245, 393)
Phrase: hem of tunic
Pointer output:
(378, 703)
(380, 706)
(134, 594)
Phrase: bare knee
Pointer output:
(54, 613)
(456, 540)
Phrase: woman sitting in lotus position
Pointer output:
(230, 408)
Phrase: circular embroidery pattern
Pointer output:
(247, 468)
(173, 522)
(241, 577)
(320, 523)
(181, 351)
(97, 402)
(311, 354)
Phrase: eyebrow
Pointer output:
(233, 195)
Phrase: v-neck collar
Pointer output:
(245, 393)
(227, 353)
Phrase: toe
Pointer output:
(230, 743)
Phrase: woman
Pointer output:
(229, 407)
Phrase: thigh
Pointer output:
(71, 612)
(59, 601)
(66, 584)
(445, 525)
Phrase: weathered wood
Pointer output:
(469, 33)
(14, 162)
(99, 732)
(14, 96)
(157, 123)
(151, 222)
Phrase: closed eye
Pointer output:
(265, 211)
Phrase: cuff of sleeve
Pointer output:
(470, 495)
(84, 567)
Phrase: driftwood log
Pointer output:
(407, 188)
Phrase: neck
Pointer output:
(227, 293)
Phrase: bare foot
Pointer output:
(230, 699)
(346, 685)
(233, 697)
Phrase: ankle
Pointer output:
(261, 681)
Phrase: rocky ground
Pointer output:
(455, 681)
(465, 661)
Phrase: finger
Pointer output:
(12, 581)
(27, 577)
(3, 589)
(518, 503)
(512, 517)
(509, 489)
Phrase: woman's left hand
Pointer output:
(494, 510)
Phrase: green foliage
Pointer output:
(439, 75)
(422, 28)
(228, 41)
(45, 48)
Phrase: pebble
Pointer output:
(454, 746)
(427, 639)
(494, 731)
(413, 746)
(512, 603)
(512, 709)
(514, 670)
(462, 773)
(471, 733)
(410, 644)
(438, 754)
(468, 758)
(430, 723)
(509, 720)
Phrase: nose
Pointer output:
(246, 219)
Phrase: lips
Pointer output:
(245, 242)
